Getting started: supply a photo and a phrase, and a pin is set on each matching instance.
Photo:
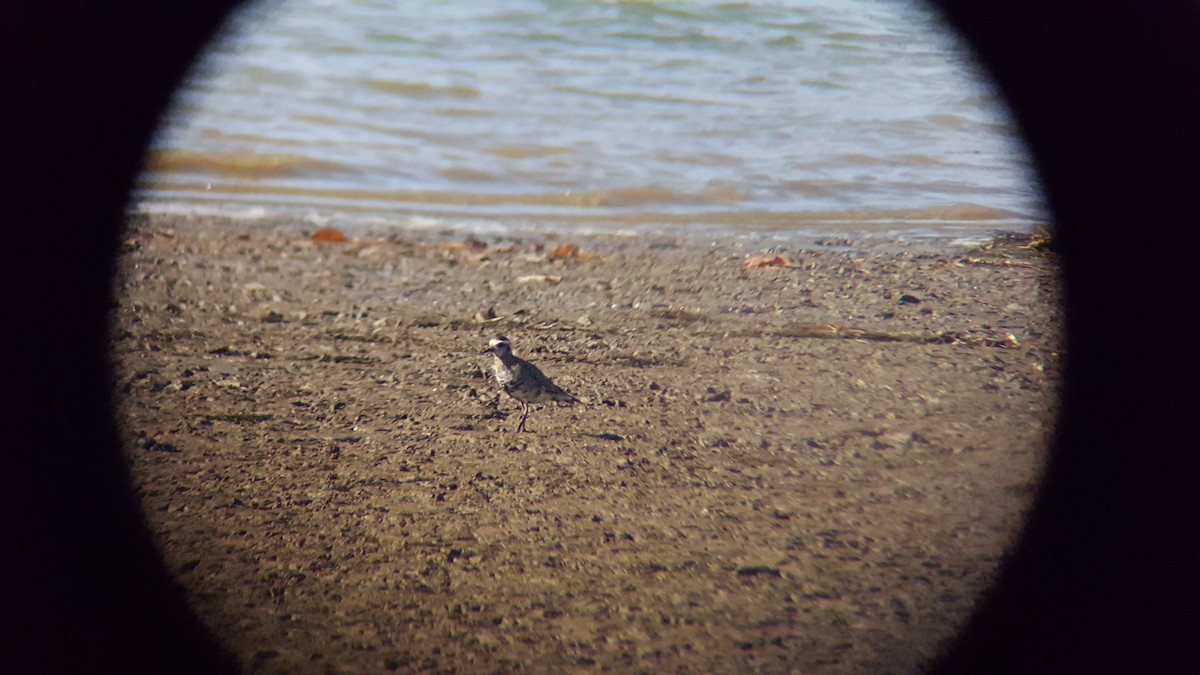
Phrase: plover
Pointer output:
(521, 379)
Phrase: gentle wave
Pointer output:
(321, 121)
(422, 89)
(607, 198)
(244, 164)
(467, 174)
(527, 150)
(938, 221)
(641, 96)
(625, 205)
(533, 36)
(664, 37)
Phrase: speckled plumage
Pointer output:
(521, 379)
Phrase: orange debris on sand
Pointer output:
(329, 234)
(757, 261)
(564, 251)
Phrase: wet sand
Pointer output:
(811, 467)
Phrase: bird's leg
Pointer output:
(524, 416)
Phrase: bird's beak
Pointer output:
(489, 350)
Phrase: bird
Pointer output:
(522, 380)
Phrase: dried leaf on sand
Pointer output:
(331, 234)
(567, 251)
(538, 278)
(756, 261)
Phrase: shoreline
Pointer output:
(796, 230)
(810, 465)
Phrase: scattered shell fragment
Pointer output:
(538, 278)
(487, 317)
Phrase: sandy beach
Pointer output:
(806, 460)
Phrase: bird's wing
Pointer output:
(552, 390)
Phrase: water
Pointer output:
(837, 116)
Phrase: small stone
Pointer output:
(539, 279)
(757, 570)
(895, 439)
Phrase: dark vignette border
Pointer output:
(1105, 576)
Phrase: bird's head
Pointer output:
(499, 346)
